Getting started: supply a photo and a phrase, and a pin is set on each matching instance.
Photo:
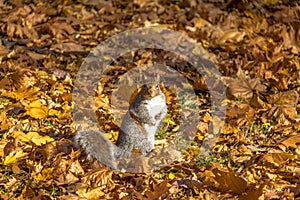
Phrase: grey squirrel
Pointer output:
(138, 129)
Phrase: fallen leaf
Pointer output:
(254, 193)
(277, 159)
(14, 157)
(228, 181)
(291, 141)
(85, 192)
(32, 137)
(243, 87)
(44, 175)
(232, 36)
(158, 191)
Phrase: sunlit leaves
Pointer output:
(22, 93)
(43, 175)
(33, 137)
(256, 49)
(14, 157)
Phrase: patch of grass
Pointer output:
(223, 160)
(161, 134)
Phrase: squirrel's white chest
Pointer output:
(156, 106)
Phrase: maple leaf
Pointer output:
(243, 87)
(227, 180)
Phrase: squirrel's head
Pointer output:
(150, 90)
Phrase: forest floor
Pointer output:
(255, 45)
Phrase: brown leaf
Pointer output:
(22, 93)
(3, 51)
(30, 33)
(188, 183)
(243, 87)
(289, 98)
(98, 178)
(282, 114)
(254, 193)
(34, 19)
(296, 189)
(4, 123)
(276, 159)
(60, 30)
(35, 56)
(50, 150)
(66, 179)
(291, 141)
(23, 78)
(158, 191)
(67, 47)
(228, 181)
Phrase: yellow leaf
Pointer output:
(232, 36)
(176, 7)
(36, 103)
(199, 136)
(96, 193)
(39, 140)
(199, 22)
(44, 175)
(54, 112)
(36, 110)
(102, 102)
(32, 137)
(171, 175)
(38, 113)
(169, 121)
(21, 136)
(13, 157)
(176, 128)
(206, 117)
(22, 93)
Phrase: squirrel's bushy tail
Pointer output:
(96, 145)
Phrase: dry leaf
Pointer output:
(277, 159)
(90, 194)
(291, 141)
(14, 157)
(44, 175)
(243, 87)
(228, 181)
(32, 137)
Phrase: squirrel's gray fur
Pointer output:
(138, 129)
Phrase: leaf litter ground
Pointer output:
(256, 48)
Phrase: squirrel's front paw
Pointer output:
(151, 122)
(146, 153)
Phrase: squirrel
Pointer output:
(138, 129)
